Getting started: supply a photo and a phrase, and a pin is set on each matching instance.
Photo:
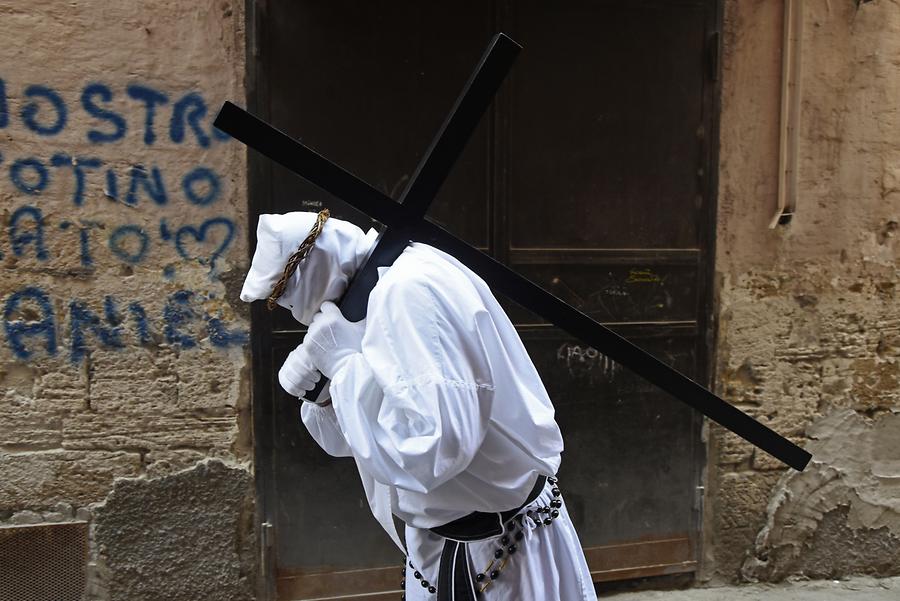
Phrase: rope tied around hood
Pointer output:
(294, 260)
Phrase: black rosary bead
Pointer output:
(554, 514)
(431, 589)
(556, 492)
(511, 549)
(498, 553)
(479, 577)
(403, 583)
(552, 480)
(424, 584)
(504, 540)
(495, 574)
(548, 521)
(418, 575)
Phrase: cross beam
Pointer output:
(406, 222)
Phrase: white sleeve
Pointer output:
(323, 426)
(414, 404)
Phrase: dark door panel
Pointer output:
(605, 125)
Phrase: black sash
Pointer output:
(455, 582)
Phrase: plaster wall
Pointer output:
(809, 325)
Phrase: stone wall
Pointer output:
(123, 350)
(809, 324)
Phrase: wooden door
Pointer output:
(593, 175)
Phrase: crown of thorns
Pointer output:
(295, 258)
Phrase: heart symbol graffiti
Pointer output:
(204, 235)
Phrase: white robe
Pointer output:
(445, 414)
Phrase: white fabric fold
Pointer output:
(442, 408)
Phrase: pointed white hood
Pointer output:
(323, 276)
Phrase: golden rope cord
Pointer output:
(296, 257)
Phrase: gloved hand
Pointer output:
(331, 339)
(299, 375)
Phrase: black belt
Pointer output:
(455, 581)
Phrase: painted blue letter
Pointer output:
(190, 109)
(177, 313)
(82, 318)
(150, 98)
(95, 136)
(79, 165)
(117, 243)
(4, 110)
(30, 111)
(220, 336)
(20, 182)
(23, 328)
(35, 235)
(140, 322)
(195, 179)
(139, 177)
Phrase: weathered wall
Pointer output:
(123, 346)
(809, 331)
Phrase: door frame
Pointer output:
(259, 195)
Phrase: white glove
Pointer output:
(332, 340)
(298, 375)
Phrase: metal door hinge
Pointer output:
(698, 497)
(266, 531)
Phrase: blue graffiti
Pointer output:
(89, 96)
(200, 234)
(28, 314)
(130, 243)
(119, 247)
(47, 114)
(84, 240)
(151, 98)
(140, 323)
(221, 336)
(79, 166)
(4, 107)
(164, 232)
(18, 330)
(177, 313)
(191, 110)
(194, 188)
(34, 185)
(201, 186)
(151, 183)
(20, 239)
(31, 110)
(82, 319)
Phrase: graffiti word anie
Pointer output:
(32, 326)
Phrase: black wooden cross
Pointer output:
(406, 222)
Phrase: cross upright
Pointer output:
(406, 221)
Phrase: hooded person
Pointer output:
(439, 404)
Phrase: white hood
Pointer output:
(323, 276)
